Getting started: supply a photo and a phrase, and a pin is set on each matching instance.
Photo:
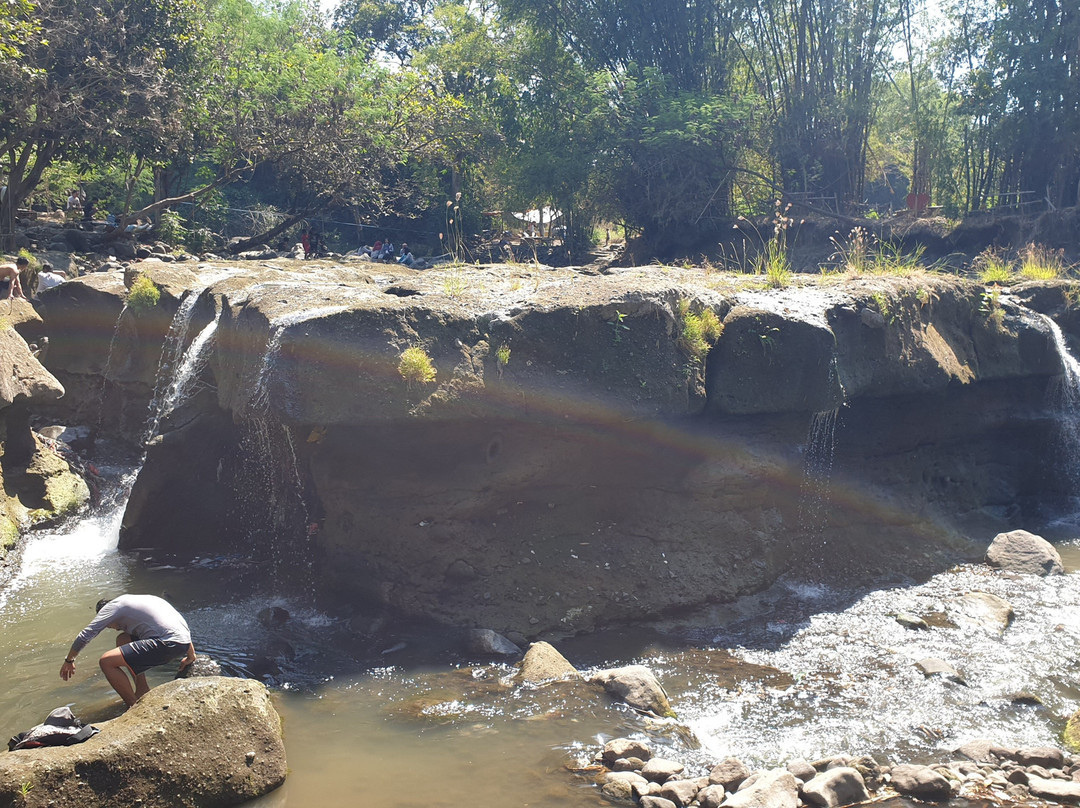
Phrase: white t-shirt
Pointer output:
(47, 280)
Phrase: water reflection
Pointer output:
(798, 671)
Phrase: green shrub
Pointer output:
(143, 294)
(415, 366)
(699, 331)
(171, 230)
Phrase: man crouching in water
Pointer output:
(152, 633)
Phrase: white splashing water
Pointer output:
(857, 689)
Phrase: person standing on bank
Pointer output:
(152, 633)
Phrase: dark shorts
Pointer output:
(142, 655)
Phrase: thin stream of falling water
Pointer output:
(1066, 393)
(817, 470)
(167, 362)
(270, 490)
(108, 364)
(192, 363)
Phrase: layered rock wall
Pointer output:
(573, 462)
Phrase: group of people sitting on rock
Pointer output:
(379, 251)
(385, 251)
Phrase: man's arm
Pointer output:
(67, 670)
(187, 660)
(104, 617)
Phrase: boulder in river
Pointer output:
(840, 786)
(982, 750)
(486, 642)
(638, 687)
(730, 773)
(207, 742)
(912, 621)
(1053, 789)
(542, 662)
(1020, 551)
(939, 667)
(1049, 757)
(622, 748)
(983, 611)
(679, 792)
(774, 788)
(658, 770)
(921, 782)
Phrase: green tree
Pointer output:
(816, 63)
(90, 78)
(1021, 97)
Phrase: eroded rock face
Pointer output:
(24, 377)
(571, 464)
(202, 742)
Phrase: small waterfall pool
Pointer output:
(800, 670)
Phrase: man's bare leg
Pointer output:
(115, 669)
(141, 686)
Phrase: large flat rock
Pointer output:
(199, 743)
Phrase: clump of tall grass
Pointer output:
(993, 266)
(143, 294)
(1041, 264)
(862, 253)
(700, 330)
(415, 366)
(773, 260)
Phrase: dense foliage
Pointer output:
(669, 117)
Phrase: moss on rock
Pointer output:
(1072, 733)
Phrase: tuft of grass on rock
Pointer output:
(1041, 264)
(993, 267)
(700, 331)
(143, 294)
(415, 366)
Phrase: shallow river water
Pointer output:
(405, 722)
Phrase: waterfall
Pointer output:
(1066, 395)
(270, 490)
(817, 470)
(108, 365)
(183, 378)
(260, 395)
(168, 363)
